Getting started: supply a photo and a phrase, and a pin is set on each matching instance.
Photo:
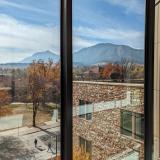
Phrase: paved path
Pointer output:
(29, 142)
(27, 130)
(27, 136)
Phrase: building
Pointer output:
(108, 119)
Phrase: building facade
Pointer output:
(108, 119)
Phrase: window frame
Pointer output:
(123, 129)
(140, 135)
(86, 115)
(148, 81)
(133, 120)
(84, 146)
(66, 79)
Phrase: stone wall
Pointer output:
(102, 91)
(103, 130)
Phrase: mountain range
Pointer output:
(45, 56)
(98, 54)
(107, 53)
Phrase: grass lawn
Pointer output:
(44, 114)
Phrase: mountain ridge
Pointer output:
(101, 53)
(109, 53)
(44, 55)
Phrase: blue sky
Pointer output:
(113, 21)
(29, 26)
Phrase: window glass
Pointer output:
(29, 79)
(108, 78)
(139, 123)
(82, 109)
(88, 147)
(126, 123)
(82, 143)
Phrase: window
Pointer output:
(108, 71)
(85, 145)
(139, 126)
(29, 79)
(108, 65)
(132, 124)
(85, 109)
(126, 123)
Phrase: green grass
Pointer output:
(29, 106)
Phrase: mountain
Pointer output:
(99, 54)
(107, 53)
(14, 65)
(45, 56)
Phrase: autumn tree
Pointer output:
(39, 76)
(111, 70)
(80, 154)
(138, 72)
(116, 73)
(56, 83)
(5, 98)
(107, 71)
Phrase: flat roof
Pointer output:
(111, 83)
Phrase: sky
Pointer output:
(30, 26)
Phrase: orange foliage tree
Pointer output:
(78, 154)
(40, 75)
(5, 98)
(107, 71)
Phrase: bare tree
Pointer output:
(127, 66)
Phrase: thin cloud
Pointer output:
(26, 37)
(134, 6)
(23, 7)
(79, 43)
(129, 37)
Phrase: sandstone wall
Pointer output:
(103, 130)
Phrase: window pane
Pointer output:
(82, 109)
(89, 111)
(89, 147)
(108, 78)
(126, 123)
(139, 123)
(82, 143)
(88, 116)
(29, 79)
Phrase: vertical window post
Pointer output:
(66, 79)
(149, 63)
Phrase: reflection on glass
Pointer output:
(29, 80)
(108, 79)
(139, 123)
(126, 123)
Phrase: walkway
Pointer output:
(27, 136)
